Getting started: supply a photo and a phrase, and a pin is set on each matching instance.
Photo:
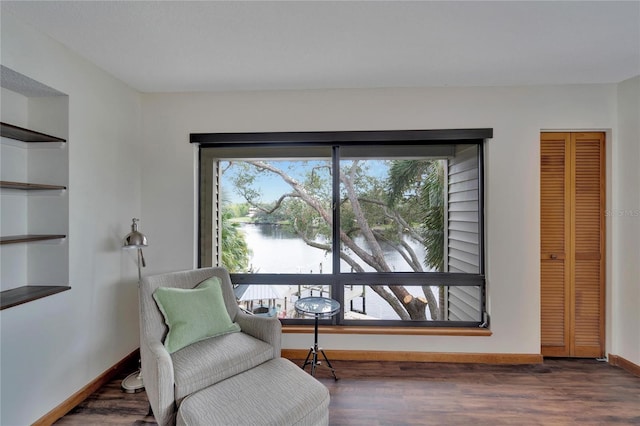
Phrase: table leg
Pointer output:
(313, 354)
(333, 371)
(306, 361)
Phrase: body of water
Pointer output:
(275, 250)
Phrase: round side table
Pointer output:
(319, 307)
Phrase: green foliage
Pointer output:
(235, 252)
(371, 192)
(432, 191)
(277, 216)
(405, 178)
(244, 178)
(238, 209)
(418, 187)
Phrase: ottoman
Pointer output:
(277, 393)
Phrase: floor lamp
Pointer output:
(135, 240)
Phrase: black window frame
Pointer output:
(337, 280)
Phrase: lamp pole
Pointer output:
(135, 240)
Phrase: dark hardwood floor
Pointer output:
(558, 392)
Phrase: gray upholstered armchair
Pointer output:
(169, 378)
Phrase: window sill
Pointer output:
(393, 331)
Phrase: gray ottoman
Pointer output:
(276, 393)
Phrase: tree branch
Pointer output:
(276, 206)
(394, 215)
(347, 180)
(404, 304)
(407, 253)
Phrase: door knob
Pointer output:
(554, 256)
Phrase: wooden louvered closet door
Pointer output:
(572, 244)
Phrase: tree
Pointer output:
(366, 213)
(235, 253)
(422, 184)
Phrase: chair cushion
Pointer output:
(275, 393)
(212, 360)
(193, 314)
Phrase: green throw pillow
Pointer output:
(193, 314)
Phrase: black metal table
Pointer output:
(318, 307)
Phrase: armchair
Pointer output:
(169, 378)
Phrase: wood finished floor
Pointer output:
(558, 392)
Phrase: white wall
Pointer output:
(625, 224)
(512, 178)
(52, 347)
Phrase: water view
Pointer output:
(274, 249)
(387, 204)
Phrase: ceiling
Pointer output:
(167, 46)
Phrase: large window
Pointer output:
(387, 223)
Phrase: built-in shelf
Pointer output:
(35, 193)
(14, 239)
(26, 135)
(19, 295)
(29, 186)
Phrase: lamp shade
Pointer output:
(135, 238)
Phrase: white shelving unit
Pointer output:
(34, 225)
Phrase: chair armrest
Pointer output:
(157, 376)
(267, 329)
